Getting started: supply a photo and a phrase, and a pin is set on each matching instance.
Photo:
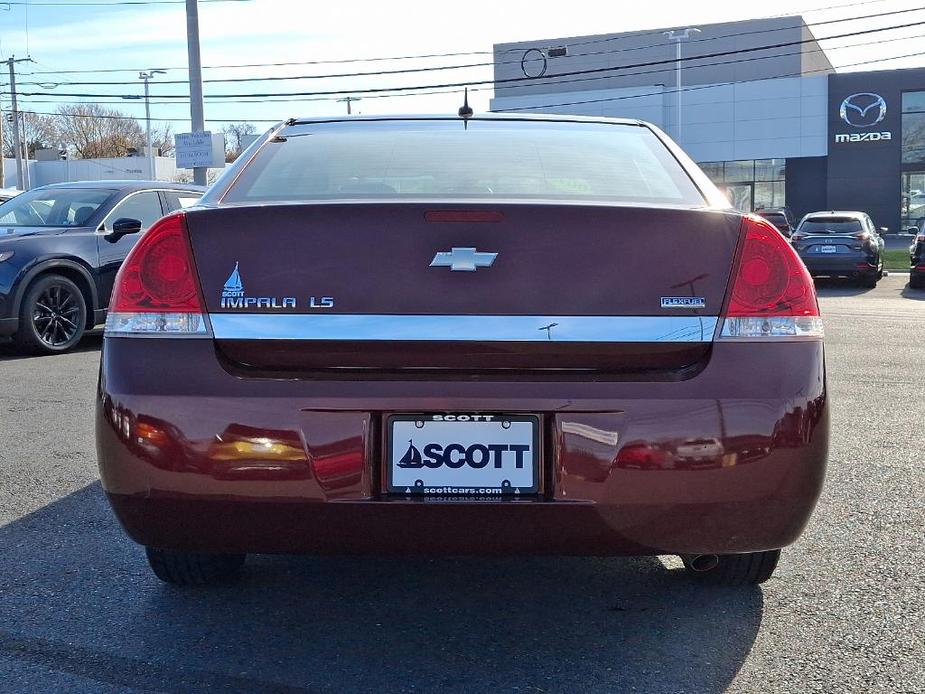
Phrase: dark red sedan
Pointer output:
(484, 335)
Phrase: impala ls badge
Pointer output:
(463, 259)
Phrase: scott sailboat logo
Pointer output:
(233, 286)
(412, 457)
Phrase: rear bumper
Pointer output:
(848, 265)
(168, 415)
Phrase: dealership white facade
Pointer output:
(759, 119)
(761, 109)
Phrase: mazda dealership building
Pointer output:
(763, 111)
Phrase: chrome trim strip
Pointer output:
(463, 328)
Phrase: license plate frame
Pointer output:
(462, 480)
(828, 249)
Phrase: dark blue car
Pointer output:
(60, 248)
(841, 244)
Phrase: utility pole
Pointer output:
(678, 35)
(348, 100)
(197, 116)
(17, 141)
(25, 169)
(147, 76)
(2, 155)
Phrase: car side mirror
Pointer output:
(123, 227)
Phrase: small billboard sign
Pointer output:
(200, 150)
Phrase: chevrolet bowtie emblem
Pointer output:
(463, 259)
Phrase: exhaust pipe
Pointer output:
(699, 563)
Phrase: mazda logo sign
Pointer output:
(863, 110)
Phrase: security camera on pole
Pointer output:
(147, 76)
(679, 35)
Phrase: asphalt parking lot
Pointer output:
(80, 611)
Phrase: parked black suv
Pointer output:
(60, 248)
(841, 244)
(781, 217)
(917, 260)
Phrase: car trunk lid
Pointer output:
(399, 286)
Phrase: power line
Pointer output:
(285, 78)
(435, 55)
(114, 3)
(816, 49)
(284, 64)
(438, 68)
(618, 98)
(745, 33)
(695, 88)
(512, 80)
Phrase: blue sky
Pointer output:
(273, 31)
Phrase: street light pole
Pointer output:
(349, 100)
(27, 176)
(678, 35)
(147, 76)
(17, 140)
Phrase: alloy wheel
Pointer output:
(56, 315)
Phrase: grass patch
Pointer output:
(896, 259)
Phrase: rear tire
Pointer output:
(916, 281)
(869, 281)
(189, 569)
(738, 569)
(52, 317)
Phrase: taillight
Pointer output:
(773, 295)
(156, 290)
(920, 238)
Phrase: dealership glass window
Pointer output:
(769, 169)
(740, 171)
(750, 184)
(768, 194)
(713, 169)
(912, 211)
(913, 127)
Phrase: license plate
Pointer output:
(463, 454)
(828, 249)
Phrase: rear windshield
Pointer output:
(831, 225)
(774, 217)
(455, 160)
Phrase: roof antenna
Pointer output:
(465, 111)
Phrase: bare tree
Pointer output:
(186, 176)
(39, 131)
(91, 131)
(235, 133)
(162, 139)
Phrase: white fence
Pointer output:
(125, 168)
